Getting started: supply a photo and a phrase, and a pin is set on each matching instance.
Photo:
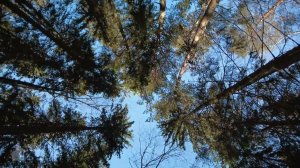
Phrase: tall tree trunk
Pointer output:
(46, 30)
(120, 26)
(27, 85)
(34, 129)
(95, 11)
(37, 15)
(161, 19)
(271, 123)
(196, 34)
(277, 64)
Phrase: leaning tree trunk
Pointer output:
(195, 37)
(277, 64)
(48, 31)
(35, 129)
(23, 84)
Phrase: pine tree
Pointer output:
(27, 127)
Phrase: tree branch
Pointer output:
(271, 10)
(277, 64)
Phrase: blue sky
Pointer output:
(135, 114)
(140, 126)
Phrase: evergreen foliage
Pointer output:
(221, 75)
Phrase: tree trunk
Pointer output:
(272, 123)
(277, 64)
(27, 85)
(161, 19)
(271, 10)
(35, 129)
(44, 29)
(195, 37)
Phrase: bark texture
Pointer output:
(196, 34)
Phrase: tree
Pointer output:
(227, 112)
(47, 62)
(242, 128)
(64, 60)
(199, 27)
(77, 141)
(240, 60)
(277, 64)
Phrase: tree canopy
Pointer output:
(222, 75)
